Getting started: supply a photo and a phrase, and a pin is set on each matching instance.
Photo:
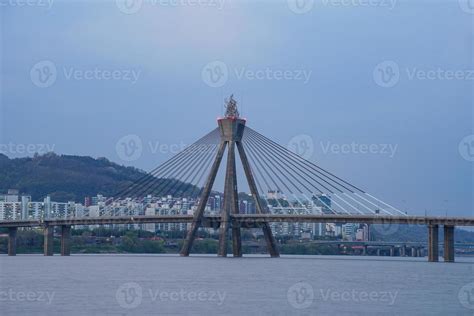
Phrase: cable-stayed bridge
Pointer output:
(294, 183)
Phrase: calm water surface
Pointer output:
(206, 285)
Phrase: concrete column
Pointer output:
(48, 240)
(364, 250)
(12, 241)
(448, 243)
(403, 251)
(65, 240)
(378, 252)
(433, 250)
(392, 251)
(229, 201)
(199, 213)
(413, 251)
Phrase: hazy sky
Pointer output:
(340, 76)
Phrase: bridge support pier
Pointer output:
(12, 241)
(48, 240)
(403, 251)
(448, 243)
(413, 251)
(392, 251)
(230, 207)
(65, 240)
(364, 250)
(433, 250)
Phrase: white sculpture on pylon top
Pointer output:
(231, 107)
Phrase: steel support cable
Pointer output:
(259, 158)
(395, 209)
(308, 163)
(196, 148)
(292, 163)
(262, 137)
(199, 169)
(328, 206)
(355, 208)
(284, 168)
(161, 181)
(258, 173)
(271, 159)
(250, 144)
(289, 154)
(342, 208)
(312, 165)
(150, 176)
(183, 174)
(202, 174)
(377, 207)
(250, 154)
(163, 167)
(194, 170)
(364, 206)
(300, 166)
(274, 173)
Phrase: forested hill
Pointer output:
(64, 177)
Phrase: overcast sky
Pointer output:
(381, 94)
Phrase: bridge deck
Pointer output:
(247, 220)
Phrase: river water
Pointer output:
(206, 285)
